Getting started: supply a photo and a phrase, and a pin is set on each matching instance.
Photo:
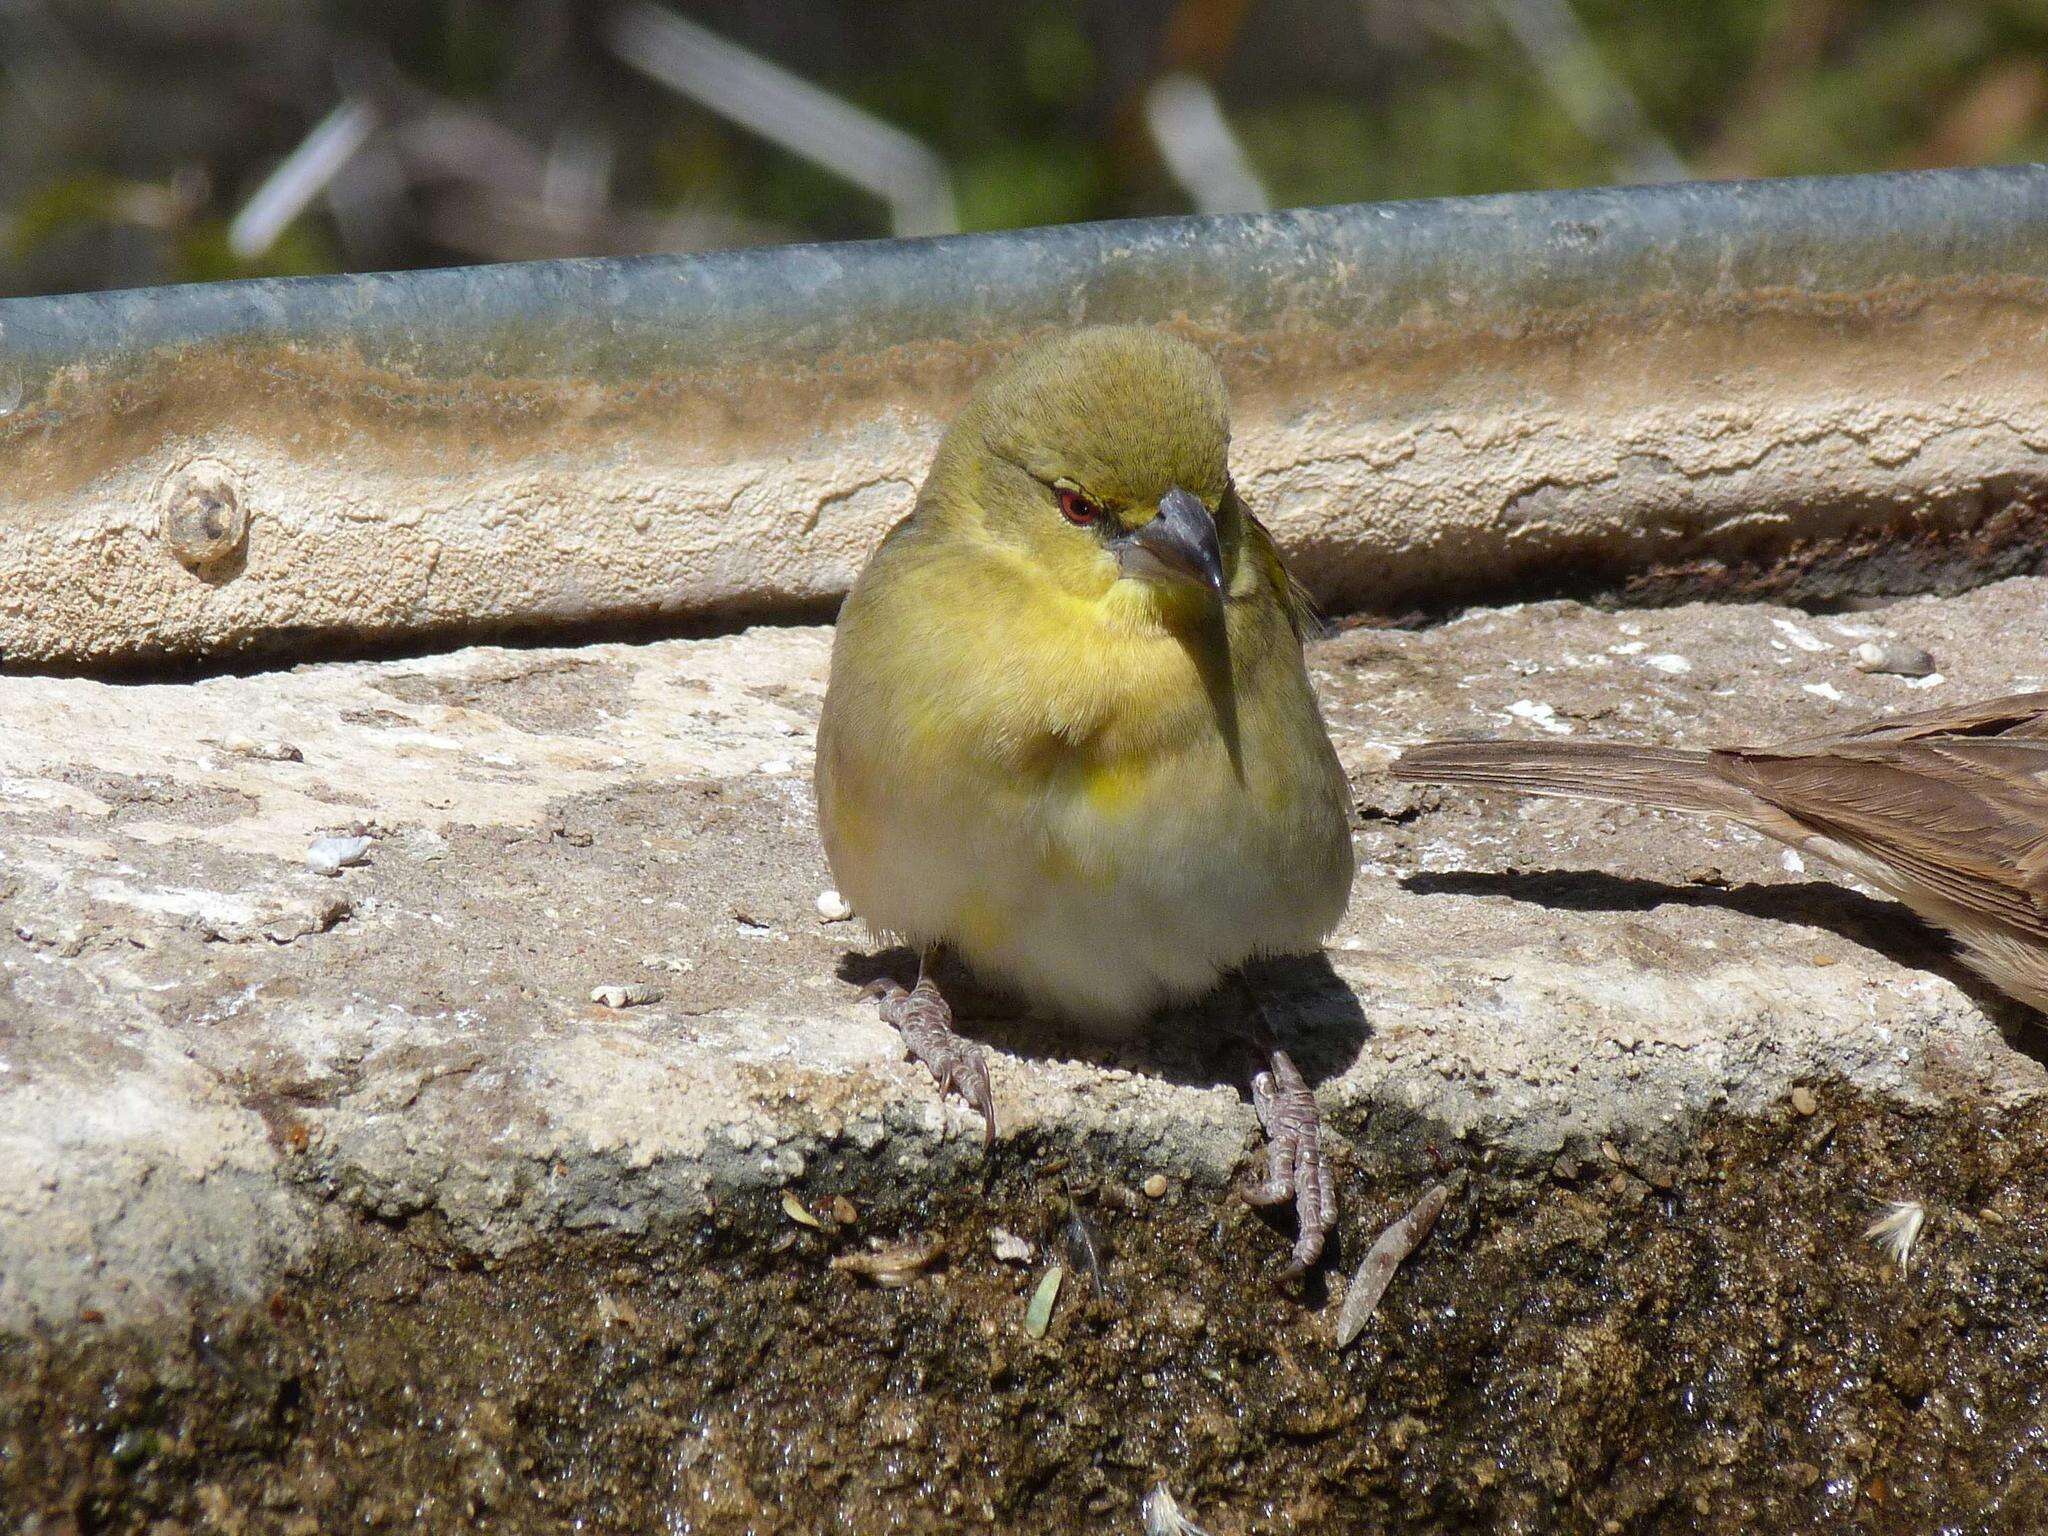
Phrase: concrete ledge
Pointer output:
(1803, 387)
(209, 1054)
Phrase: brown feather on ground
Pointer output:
(1946, 810)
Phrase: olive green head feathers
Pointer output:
(1099, 456)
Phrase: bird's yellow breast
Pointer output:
(1097, 804)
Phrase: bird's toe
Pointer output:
(1296, 1167)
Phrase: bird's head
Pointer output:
(1101, 458)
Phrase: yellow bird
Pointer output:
(1069, 736)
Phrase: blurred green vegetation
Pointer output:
(132, 134)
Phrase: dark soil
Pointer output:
(1628, 1340)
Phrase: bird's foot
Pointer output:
(1296, 1168)
(925, 1021)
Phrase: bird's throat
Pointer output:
(1190, 613)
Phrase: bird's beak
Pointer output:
(1177, 545)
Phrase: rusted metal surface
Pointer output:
(1434, 400)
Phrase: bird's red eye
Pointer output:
(1078, 509)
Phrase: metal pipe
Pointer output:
(1819, 386)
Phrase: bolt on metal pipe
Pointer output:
(1822, 387)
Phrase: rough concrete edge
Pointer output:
(1471, 501)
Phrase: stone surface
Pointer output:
(208, 1052)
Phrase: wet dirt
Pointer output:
(1692, 1338)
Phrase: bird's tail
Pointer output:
(1581, 770)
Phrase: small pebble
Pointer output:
(1009, 1247)
(1894, 658)
(1155, 1186)
(331, 855)
(1804, 639)
(1539, 714)
(267, 751)
(1803, 1101)
(833, 907)
(776, 765)
(633, 995)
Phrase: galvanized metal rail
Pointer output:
(1825, 386)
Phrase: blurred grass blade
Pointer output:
(1186, 121)
(1589, 90)
(787, 110)
(301, 177)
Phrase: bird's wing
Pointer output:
(1294, 597)
(2023, 715)
(1963, 816)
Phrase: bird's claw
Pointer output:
(966, 1073)
(921, 1016)
(1296, 1168)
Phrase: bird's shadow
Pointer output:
(1204, 1044)
(1888, 927)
